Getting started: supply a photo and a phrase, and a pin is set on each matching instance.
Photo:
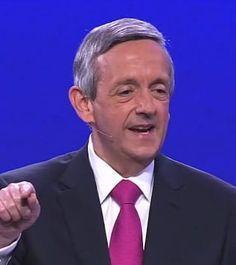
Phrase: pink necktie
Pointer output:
(126, 247)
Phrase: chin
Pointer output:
(145, 156)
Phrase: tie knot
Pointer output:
(126, 192)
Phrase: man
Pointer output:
(124, 79)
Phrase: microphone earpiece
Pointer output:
(92, 125)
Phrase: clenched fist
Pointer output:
(19, 209)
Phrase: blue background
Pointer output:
(38, 41)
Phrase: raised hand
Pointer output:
(19, 209)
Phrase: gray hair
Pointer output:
(101, 39)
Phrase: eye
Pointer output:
(125, 91)
(160, 91)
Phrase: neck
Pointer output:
(126, 165)
(126, 168)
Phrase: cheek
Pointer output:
(163, 117)
(163, 111)
(109, 119)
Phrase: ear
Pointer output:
(81, 104)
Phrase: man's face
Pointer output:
(131, 108)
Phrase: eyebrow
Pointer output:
(164, 79)
(161, 80)
(128, 81)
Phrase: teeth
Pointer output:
(141, 129)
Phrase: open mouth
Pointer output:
(142, 128)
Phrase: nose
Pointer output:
(145, 103)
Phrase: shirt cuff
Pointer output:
(8, 249)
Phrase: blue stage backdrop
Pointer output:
(38, 40)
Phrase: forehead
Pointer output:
(133, 56)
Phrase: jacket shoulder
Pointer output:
(45, 170)
(199, 180)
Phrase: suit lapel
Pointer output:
(163, 241)
(80, 204)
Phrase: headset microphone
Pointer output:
(92, 125)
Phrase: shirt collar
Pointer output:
(107, 178)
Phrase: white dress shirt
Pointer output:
(5, 253)
(107, 178)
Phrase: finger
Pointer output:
(28, 194)
(34, 205)
(4, 215)
(26, 188)
(23, 208)
(9, 204)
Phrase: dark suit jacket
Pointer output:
(192, 217)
